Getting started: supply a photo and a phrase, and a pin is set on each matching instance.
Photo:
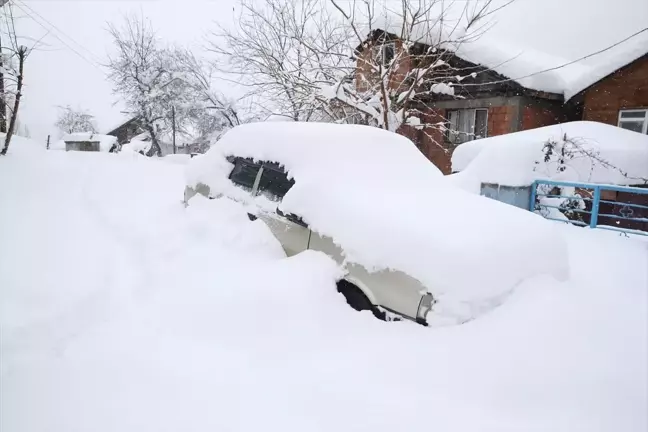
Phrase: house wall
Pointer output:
(126, 132)
(82, 146)
(366, 72)
(505, 115)
(625, 89)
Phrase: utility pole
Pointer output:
(3, 101)
(173, 126)
(48, 139)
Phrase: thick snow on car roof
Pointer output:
(388, 207)
(602, 154)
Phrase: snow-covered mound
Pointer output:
(600, 154)
(388, 207)
(137, 146)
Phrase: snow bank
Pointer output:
(388, 207)
(106, 142)
(178, 319)
(518, 159)
(137, 146)
(179, 159)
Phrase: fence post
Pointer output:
(534, 191)
(595, 207)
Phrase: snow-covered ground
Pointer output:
(120, 310)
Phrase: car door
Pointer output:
(289, 229)
(392, 290)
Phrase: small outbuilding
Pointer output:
(88, 141)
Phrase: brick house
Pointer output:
(489, 103)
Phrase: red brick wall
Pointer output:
(534, 116)
(366, 75)
(430, 141)
(499, 120)
(626, 89)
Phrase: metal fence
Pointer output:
(615, 208)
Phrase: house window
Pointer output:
(385, 53)
(467, 125)
(634, 120)
(388, 51)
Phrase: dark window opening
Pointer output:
(388, 53)
(244, 172)
(274, 182)
(466, 125)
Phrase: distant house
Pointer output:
(127, 130)
(88, 141)
(499, 93)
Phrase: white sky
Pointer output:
(57, 76)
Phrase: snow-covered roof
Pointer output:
(388, 207)
(105, 141)
(517, 43)
(517, 159)
(121, 123)
(522, 64)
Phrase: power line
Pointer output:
(29, 8)
(49, 30)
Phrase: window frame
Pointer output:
(643, 121)
(470, 135)
(383, 50)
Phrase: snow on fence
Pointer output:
(615, 208)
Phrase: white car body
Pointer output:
(390, 290)
(408, 239)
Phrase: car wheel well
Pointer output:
(357, 299)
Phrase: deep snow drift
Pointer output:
(600, 153)
(122, 311)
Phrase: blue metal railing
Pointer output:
(592, 204)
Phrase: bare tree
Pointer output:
(282, 51)
(145, 75)
(13, 67)
(208, 113)
(71, 120)
(402, 57)
(356, 62)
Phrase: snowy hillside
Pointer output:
(120, 310)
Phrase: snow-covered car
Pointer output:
(409, 241)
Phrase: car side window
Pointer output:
(274, 182)
(244, 172)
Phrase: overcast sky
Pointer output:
(55, 75)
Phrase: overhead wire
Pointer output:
(25, 9)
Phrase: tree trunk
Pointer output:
(3, 102)
(22, 53)
(155, 149)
